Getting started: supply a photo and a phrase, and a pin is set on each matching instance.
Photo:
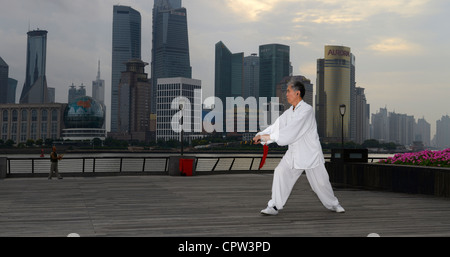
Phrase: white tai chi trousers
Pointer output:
(285, 178)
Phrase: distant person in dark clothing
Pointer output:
(54, 158)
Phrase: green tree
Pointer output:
(48, 141)
(9, 143)
(97, 142)
(30, 142)
(389, 146)
(39, 142)
(371, 143)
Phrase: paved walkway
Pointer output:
(206, 206)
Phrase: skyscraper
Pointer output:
(229, 77)
(51, 95)
(135, 101)
(353, 133)
(229, 74)
(126, 45)
(4, 73)
(423, 132)
(334, 87)
(362, 116)
(251, 76)
(222, 78)
(12, 86)
(443, 132)
(380, 125)
(321, 98)
(274, 66)
(187, 92)
(35, 87)
(401, 128)
(98, 87)
(75, 93)
(170, 49)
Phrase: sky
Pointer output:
(402, 47)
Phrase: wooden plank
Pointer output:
(216, 206)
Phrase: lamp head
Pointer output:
(342, 109)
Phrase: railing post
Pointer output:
(84, 161)
(232, 163)
(167, 164)
(217, 162)
(251, 164)
(3, 167)
(196, 163)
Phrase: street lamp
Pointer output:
(342, 108)
(181, 107)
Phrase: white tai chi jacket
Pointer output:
(297, 128)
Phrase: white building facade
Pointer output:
(171, 93)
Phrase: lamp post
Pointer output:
(342, 108)
(181, 107)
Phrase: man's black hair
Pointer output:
(299, 86)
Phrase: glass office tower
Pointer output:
(170, 50)
(4, 73)
(229, 73)
(274, 66)
(35, 87)
(126, 45)
(251, 76)
(12, 87)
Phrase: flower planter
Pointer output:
(390, 177)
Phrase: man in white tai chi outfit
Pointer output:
(297, 128)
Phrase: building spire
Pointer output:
(98, 72)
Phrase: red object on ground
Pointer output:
(263, 160)
(186, 166)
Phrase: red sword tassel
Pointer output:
(263, 160)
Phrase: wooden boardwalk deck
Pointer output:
(206, 206)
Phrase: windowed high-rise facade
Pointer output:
(274, 66)
(98, 87)
(179, 91)
(229, 73)
(4, 73)
(251, 76)
(335, 86)
(170, 50)
(126, 45)
(35, 87)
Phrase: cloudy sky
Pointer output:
(402, 47)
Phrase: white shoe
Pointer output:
(269, 211)
(338, 208)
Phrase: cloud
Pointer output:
(338, 12)
(325, 11)
(396, 46)
(252, 10)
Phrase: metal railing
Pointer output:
(139, 165)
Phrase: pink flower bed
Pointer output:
(424, 158)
